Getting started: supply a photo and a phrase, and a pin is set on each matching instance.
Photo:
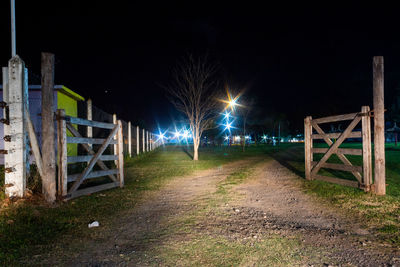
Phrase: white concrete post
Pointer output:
(144, 148)
(129, 139)
(137, 141)
(89, 117)
(115, 138)
(16, 157)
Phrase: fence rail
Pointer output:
(93, 158)
(362, 174)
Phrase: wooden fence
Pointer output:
(69, 184)
(362, 174)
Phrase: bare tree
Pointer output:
(194, 92)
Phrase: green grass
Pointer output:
(380, 213)
(28, 226)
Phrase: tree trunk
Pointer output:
(196, 149)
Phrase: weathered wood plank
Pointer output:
(366, 144)
(308, 146)
(336, 135)
(340, 167)
(93, 160)
(120, 152)
(85, 140)
(333, 148)
(93, 174)
(75, 159)
(96, 124)
(344, 117)
(34, 143)
(344, 151)
(48, 146)
(62, 154)
(340, 156)
(336, 180)
(89, 150)
(379, 126)
(91, 190)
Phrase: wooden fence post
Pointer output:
(129, 140)
(89, 110)
(143, 136)
(120, 151)
(366, 147)
(137, 141)
(379, 126)
(115, 138)
(15, 95)
(308, 155)
(62, 153)
(48, 144)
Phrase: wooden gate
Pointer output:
(69, 184)
(363, 174)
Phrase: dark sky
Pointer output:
(295, 59)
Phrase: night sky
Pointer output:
(296, 60)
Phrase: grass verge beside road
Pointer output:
(379, 213)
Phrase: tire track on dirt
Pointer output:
(146, 226)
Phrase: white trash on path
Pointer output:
(94, 224)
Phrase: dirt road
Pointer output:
(248, 213)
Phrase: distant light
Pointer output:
(177, 134)
(228, 126)
(226, 137)
(264, 137)
(237, 138)
(186, 134)
(248, 137)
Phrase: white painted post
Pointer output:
(137, 141)
(115, 138)
(15, 159)
(89, 117)
(144, 149)
(129, 139)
